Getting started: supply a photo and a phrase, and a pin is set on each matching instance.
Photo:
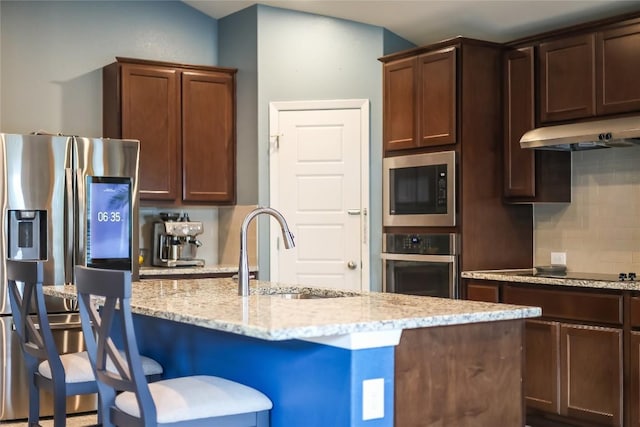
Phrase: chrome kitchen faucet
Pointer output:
(243, 268)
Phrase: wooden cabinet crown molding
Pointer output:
(444, 44)
(154, 63)
(583, 28)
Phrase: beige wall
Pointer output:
(600, 229)
(229, 223)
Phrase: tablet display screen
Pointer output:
(109, 220)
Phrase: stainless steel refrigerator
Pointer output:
(67, 201)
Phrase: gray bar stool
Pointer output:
(64, 375)
(128, 399)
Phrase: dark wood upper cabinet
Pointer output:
(142, 102)
(529, 175)
(618, 66)
(420, 100)
(400, 113)
(437, 91)
(519, 114)
(208, 137)
(589, 75)
(184, 117)
(567, 78)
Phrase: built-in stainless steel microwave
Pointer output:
(419, 190)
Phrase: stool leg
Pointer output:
(59, 405)
(34, 391)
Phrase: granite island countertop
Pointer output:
(215, 304)
(526, 276)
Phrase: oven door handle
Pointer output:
(418, 258)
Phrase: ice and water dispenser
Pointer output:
(27, 231)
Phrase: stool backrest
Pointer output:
(104, 300)
(24, 279)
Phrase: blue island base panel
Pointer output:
(310, 385)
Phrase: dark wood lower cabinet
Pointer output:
(574, 357)
(634, 379)
(482, 291)
(591, 374)
(542, 365)
(462, 376)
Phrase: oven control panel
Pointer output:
(423, 244)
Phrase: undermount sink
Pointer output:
(301, 293)
(298, 295)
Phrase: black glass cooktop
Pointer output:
(585, 276)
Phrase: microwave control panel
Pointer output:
(441, 171)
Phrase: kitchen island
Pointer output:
(340, 358)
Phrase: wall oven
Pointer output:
(421, 264)
(419, 190)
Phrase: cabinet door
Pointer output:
(400, 88)
(519, 117)
(591, 374)
(150, 100)
(208, 136)
(437, 89)
(541, 378)
(567, 78)
(618, 54)
(634, 379)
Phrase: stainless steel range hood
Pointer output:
(621, 132)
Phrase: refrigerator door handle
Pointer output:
(69, 225)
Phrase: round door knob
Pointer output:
(352, 265)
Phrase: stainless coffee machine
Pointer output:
(174, 241)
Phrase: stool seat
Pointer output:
(187, 398)
(77, 367)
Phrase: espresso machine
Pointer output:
(175, 242)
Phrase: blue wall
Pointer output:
(238, 38)
(302, 56)
(394, 43)
(52, 53)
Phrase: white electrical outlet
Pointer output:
(372, 399)
(558, 258)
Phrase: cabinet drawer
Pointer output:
(571, 305)
(481, 291)
(634, 311)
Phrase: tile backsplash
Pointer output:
(600, 229)
(221, 230)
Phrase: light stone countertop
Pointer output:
(523, 276)
(215, 304)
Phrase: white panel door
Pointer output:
(317, 187)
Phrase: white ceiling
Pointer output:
(427, 21)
